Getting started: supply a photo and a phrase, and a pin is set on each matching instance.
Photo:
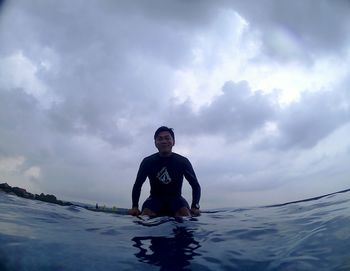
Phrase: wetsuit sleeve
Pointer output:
(140, 179)
(192, 179)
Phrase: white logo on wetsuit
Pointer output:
(164, 176)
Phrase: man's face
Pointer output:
(164, 143)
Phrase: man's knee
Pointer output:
(148, 212)
(183, 211)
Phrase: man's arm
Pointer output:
(196, 189)
(136, 190)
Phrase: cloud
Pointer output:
(83, 86)
(304, 123)
(239, 112)
(236, 113)
(20, 121)
(321, 27)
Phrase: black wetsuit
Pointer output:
(166, 177)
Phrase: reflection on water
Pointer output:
(170, 253)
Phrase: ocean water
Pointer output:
(307, 235)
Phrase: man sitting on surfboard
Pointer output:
(165, 171)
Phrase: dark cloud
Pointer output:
(166, 28)
(101, 72)
(236, 114)
(239, 112)
(304, 123)
(20, 122)
(102, 35)
(2, 2)
(316, 27)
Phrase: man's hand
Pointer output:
(134, 211)
(195, 212)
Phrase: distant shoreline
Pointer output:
(23, 193)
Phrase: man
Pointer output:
(165, 171)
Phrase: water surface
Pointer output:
(307, 235)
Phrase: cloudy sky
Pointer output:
(256, 91)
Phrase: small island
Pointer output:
(23, 193)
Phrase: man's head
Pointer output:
(164, 139)
(164, 129)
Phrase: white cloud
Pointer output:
(33, 172)
(11, 164)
